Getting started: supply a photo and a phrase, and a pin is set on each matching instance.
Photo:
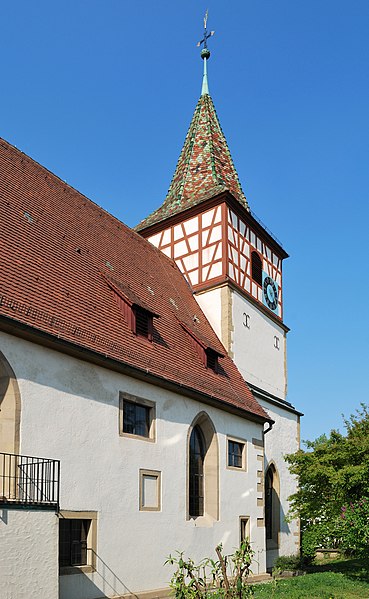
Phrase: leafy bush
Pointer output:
(288, 562)
(333, 472)
(355, 519)
(225, 578)
(321, 534)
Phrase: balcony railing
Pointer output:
(31, 481)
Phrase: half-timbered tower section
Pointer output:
(234, 265)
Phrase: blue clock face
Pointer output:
(270, 293)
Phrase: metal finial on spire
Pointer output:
(205, 54)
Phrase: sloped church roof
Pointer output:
(62, 256)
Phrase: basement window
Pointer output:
(77, 541)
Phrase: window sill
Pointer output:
(236, 468)
(67, 570)
(202, 521)
(138, 437)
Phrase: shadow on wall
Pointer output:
(100, 584)
(10, 408)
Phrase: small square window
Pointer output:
(236, 454)
(77, 541)
(150, 490)
(137, 417)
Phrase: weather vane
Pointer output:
(205, 52)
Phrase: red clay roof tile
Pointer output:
(55, 244)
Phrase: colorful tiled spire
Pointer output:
(205, 167)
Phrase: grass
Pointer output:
(338, 579)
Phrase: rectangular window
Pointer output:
(244, 528)
(137, 417)
(236, 457)
(73, 542)
(150, 490)
(77, 540)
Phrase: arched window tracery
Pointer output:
(196, 487)
(272, 507)
(202, 471)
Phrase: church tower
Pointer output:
(234, 266)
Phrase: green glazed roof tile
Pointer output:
(204, 169)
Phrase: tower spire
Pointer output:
(205, 167)
(205, 55)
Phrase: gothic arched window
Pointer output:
(256, 268)
(196, 490)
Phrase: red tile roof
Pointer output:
(55, 244)
(205, 167)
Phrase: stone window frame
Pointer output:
(244, 453)
(154, 473)
(123, 395)
(91, 541)
(211, 472)
(244, 527)
(273, 542)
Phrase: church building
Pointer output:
(143, 380)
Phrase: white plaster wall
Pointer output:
(259, 362)
(28, 554)
(211, 304)
(70, 412)
(281, 440)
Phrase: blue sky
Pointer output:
(102, 93)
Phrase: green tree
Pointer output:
(332, 472)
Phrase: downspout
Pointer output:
(270, 426)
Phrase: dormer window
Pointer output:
(256, 268)
(143, 322)
(211, 359)
(138, 315)
(207, 354)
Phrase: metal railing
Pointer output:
(266, 228)
(26, 480)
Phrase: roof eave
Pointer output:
(35, 335)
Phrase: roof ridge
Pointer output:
(229, 155)
(207, 99)
(68, 186)
(193, 124)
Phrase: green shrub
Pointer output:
(288, 562)
(355, 520)
(325, 534)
